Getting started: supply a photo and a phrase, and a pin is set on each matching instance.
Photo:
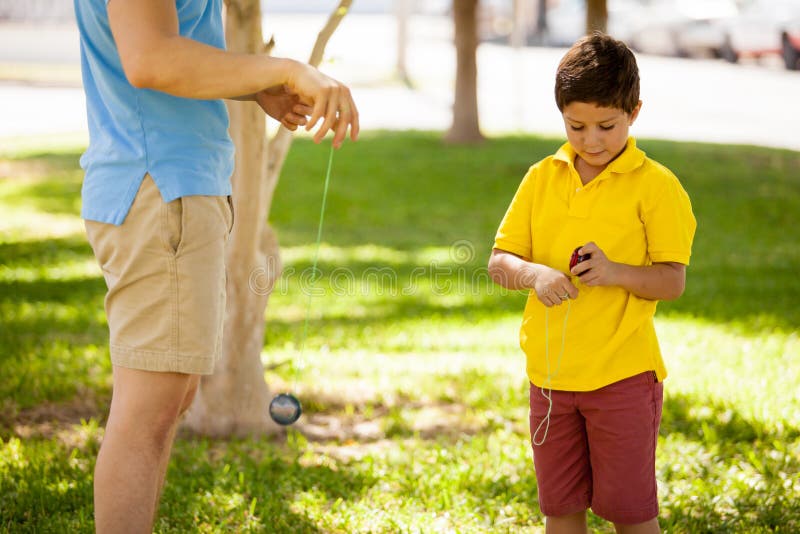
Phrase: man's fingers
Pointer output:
(354, 126)
(294, 118)
(345, 120)
(317, 113)
(330, 115)
(302, 109)
(340, 130)
(334, 107)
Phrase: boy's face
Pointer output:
(598, 134)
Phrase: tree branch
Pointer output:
(279, 145)
(326, 32)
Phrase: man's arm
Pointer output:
(155, 56)
(660, 281)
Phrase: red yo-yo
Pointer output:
(576, 258)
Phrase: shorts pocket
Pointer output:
(172, 225)
(232, 214)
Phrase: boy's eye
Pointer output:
(606, 128)
(576, 128)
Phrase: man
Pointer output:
(158, 213)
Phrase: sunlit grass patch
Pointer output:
(411, 379)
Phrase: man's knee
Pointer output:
(150, 403)
(191, 391)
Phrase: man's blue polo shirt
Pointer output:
(183, 143)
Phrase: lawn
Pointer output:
(412, 380)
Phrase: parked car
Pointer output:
(683, 27)
(763, 27)
(790, 41)
(566, 22)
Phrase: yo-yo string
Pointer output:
(314, 267)
(549, 380)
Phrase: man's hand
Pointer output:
(331, 101)
(284, 106)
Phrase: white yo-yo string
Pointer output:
(548, 394)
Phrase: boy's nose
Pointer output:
(591, 137)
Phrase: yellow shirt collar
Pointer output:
(631, 158)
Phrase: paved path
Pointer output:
(698, 100)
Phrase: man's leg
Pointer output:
(130, 466)
(194, 380)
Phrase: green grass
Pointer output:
(411, 376)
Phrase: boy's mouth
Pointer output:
(594, 154)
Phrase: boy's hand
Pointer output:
(553, 287)
(284, 106)
(597, 270)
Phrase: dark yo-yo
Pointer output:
(285, 409)
(576, 258)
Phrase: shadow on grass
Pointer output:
(51, 181)
(50, 491)
(253, 470)
(80, 292)
(715, 422)
(711, 446)
(45, 252)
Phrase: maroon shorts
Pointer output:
(599, 450)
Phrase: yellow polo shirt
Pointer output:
(638, 213)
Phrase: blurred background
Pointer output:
(415, 403)
(728, 29)
(712, 70)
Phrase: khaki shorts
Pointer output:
(165, 272)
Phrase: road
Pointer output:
(697, 100)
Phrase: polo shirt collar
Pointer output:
(631, 158)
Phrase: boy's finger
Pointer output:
(572, 291)
(581, 268)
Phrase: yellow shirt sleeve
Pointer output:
(514, 234)
(669, 222)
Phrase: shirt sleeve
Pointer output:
(669, 223)
(514, 234)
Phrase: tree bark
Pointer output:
(402, 12)
(465, 128)
(596, 16)
(234, 400)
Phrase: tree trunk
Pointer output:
(596, 16)
(402, 11)
(465, 128)
(234, 401)
(519, 29)
(541, 19)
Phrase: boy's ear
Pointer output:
(634, 113)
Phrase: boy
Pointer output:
(594, 364)
(158, 213)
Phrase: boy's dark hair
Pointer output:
(598, 69)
